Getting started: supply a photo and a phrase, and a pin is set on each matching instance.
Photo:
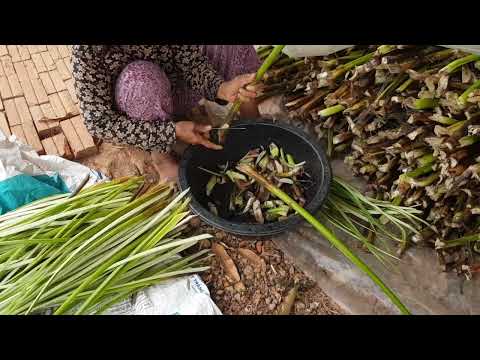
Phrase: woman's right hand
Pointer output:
(241, 88)
(195, 134)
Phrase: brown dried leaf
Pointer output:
(227, 263)
(253, 258)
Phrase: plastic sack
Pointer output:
(417, 279)
(297, 51)
(183, 296)
(23, 189)
(475, 49)
(20, 159)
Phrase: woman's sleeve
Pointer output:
(197, 71)
(94, 84)
(247, 60)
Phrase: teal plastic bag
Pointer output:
(23, 189)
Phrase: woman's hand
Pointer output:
(239, 88)
(195, 134)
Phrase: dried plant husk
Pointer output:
(434, 90)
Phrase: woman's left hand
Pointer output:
(239, 88)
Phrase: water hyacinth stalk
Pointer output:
(268, 62)
(81, 254)
(463, 99)
(325, 232)
(425, 103)
(454, 65)
(332, 110)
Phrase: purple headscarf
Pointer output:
(143, 91)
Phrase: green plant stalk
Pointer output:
(332, 110)
(424, 182)
(439, 55)
(405, 85)
(342, 69)
(89, 231)
(263, 48)
(326, 233)
(276, 73)
(463, 99)
(445, 120)
(425, 103)
(426, 159)
(176, 218)
(131, 209)
(73, 278)
(397, 200)
(468, 140)
(286, 61)
(132, 286)
(420, 171)
(120, 252)
(392, 86)
(272, 57)
(368, 209)
(385, 49)
(457, 128)
(460, 241)
(32, 282)
(338, 213)
(459, 63)
(409, 81)
(125, 225)
(352, 55)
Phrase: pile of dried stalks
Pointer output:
(407, 119)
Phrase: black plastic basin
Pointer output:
(294, 141)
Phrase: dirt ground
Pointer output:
(251, 276)
(266, 278)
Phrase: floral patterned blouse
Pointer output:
(96, 68)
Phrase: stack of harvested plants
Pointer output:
(407, 119)
(249, 197)
(81, 254)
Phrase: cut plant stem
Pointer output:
(329, 142)
(397, 201)
(420, 171)
(276, 73)
(445, 120)
(272, 57)
(463, 99)
(454, 65)
(324, 231)
(425, 103)
(458, 242)
(342, 69)
(423, 182)
(264, 48)
(468, 140)
(285, 61)
(426, 159)
(391, 87)
(332, 110)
